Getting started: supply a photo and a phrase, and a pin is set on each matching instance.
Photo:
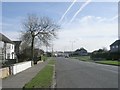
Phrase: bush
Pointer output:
(49, 54)
(43, 57)
(100, 54)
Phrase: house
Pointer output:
(115, 50)
(115, 46)
(67, 53)
(38, 52)
(17, 45)
(59, 54)
(81, 52)
(17, 49)
(7, 48)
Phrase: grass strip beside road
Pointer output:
(107, 62)
(44, 78)
(52, 62)
(116, 63)
(83, 58)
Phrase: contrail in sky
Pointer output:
(67, 11)
(81, 8)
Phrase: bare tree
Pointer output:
(38, 29)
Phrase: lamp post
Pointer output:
(72, 42)
(52, 49)
(72, 46)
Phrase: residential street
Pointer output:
(72, 73)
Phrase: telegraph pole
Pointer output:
(72, 44)
(52, 49)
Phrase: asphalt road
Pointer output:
(72, 73)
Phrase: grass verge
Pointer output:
(52, 61)
(109, 62)
(83, 58)
(44, 78)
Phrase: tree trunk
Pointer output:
(32, 47)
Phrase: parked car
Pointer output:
(66, 56)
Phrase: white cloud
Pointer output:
(88, 32)
(114, 18)
(94, 20)
(89, 19)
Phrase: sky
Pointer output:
(91, 25)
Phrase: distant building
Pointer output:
(81, 52)
(115, 47)
(60, 53)
(67, 53)
(38, 52)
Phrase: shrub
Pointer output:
(100, 54)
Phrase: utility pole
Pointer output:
(46, 48)
(52, 49)
(72, 46)
(72, 42)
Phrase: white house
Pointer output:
(6, 48)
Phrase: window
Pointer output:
(12, 46)
(1, 44)
(8, 46)
(116, 46)
(112, 46)
(8, 55)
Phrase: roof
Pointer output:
(117, 42)
(81, 49)
(5, 39)
(17, 42)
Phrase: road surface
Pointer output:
(72, 73)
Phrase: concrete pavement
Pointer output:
(20, 79)
(72, 73)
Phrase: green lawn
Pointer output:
(109, 62)
(52, 61)
(87, 58)
(44, 78)
(83, 58)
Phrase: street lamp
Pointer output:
(72, 44)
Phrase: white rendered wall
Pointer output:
(16, 68)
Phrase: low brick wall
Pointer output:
(4, 72)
